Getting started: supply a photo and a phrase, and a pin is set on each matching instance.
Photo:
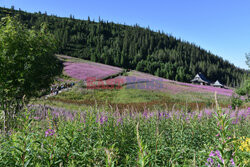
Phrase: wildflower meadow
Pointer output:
(83, 71)
(148, 105)
(50, 136)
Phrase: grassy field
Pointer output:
(175, 124)
(137, 99)
(136, 94)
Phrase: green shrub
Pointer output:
(236, 102)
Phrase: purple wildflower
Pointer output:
(212, 154)
(219, 155)
(183, 115)
(167, 115)
(160, 115)
(151, 114)
(49, 132)
(210, 160)
(119, 121)
(232, 161)
(36, 118)
(200, 115)
(102, 119)
(234, 122)
(145, 114)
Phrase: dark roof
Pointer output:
(200, 78)
(217, 83)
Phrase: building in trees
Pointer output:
(200, 79)
(218, 84)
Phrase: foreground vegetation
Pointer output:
(45, 136)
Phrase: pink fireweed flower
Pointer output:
(200, 115)
(212, 154)
(151, 115)
(167, 115)
(49, 132)
(234, 122)
(36, 118)
(101, 119)
(233, 153)
(145, 114)
(119, 121)
(232, 161)
(161, 115)
(210, 159)
(219, 155)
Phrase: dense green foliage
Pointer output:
(133, 47)
(97, 138)
(27, 64)
(245, 87)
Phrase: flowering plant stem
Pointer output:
(224, 143)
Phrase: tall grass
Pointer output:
(47, 136)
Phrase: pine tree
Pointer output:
(93, 57)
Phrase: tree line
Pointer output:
(132, 47)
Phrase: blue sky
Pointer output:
(219, 26)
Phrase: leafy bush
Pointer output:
(27, 65)
(236, 102)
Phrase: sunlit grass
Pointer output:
(128, 96)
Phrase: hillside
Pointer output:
(132, 47)
(80, 69)
(81, 93)
(106, 85)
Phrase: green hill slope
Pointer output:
(132, 47)
(132, 88)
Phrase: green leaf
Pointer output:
(27, 162)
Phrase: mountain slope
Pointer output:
(83, 70)
(132, 47)
(132, 88)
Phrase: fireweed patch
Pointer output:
(97, 137)
(82, 71)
